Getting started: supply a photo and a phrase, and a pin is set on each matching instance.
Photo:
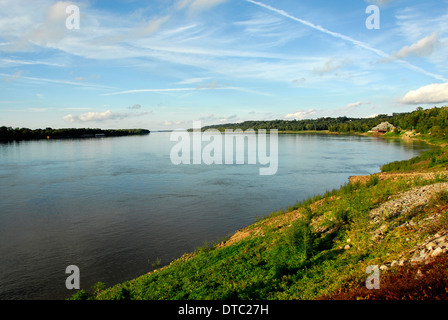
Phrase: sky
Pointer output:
(162, 64)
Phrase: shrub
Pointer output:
(373, 181)
(302, 236)
(342, 215)
(80, 295)
(98, 287)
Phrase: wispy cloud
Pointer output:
(149, 90)
(12, 77)
(211, 86)
(330, 66)
(192, 80)
(380, 2)
(7, 62)
(351, 40)
(196, 6)
(98, 116)
(55, 81)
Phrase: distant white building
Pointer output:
(383, 127)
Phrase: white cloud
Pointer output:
(213, 118)
(424, 47)
(300, 115)
(212, 85)
(196, 6)
(154, 25)
(97, 116)
(380, 2)
(57, 12)
(13, 76)
(433, 93)
(48, 32)
(354, 105)
(330, 66)
(193, 80)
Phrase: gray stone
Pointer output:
(431, 245)
(422, 253)
(437, 252)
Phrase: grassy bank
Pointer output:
(316, 249)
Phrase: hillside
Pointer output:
(320, 248)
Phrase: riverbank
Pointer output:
(318, 248)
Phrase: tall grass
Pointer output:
(407, 165)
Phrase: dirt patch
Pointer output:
(387, 176)
(413, 282)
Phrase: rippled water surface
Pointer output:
(113, 206)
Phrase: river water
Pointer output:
(113, 206)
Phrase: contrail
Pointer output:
(348, 39)
(181, 90)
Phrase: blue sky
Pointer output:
(162, 64)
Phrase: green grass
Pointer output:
(437, 158)
(292, 262)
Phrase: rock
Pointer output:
(394, 263)
(437, 252)
(347, 246)
(401, 262)
(418, 275)
(349, 240)
(417, 260)
(423, 253)
(383, 268)
(431, 245)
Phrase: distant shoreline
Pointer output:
(22, 134)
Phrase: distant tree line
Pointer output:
(434, 121)
(9, 133)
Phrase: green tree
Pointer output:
(437, 132)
